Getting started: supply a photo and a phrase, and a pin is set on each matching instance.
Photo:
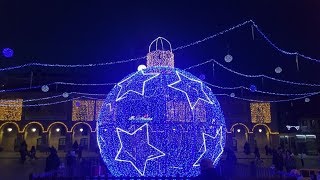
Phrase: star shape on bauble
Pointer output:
(192, 88)
(134, 84)
(141, 153)
(212, 151)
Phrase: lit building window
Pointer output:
(83, 110)
(260, 112)
(11, 110)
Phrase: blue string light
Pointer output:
(161, 122)
(279, 49)
(175, 49)
(265, 76)
(46, 104)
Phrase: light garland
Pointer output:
(281, 50)
(45, 104)
(10, 110)
(265, 76)
(84, 111)
(260, 112)
(175, 49)
(175, 142)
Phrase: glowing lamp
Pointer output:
(81, 129)
(33, 129)
(58, 129)
(260, 130)
(141, 67)
(238, 130)
(9, 129)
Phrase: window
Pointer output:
(83, 141)
(62, 141)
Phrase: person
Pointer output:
(52, 161)
(23, 151)
(207, 171)
(257, 153)
(266, 148)
(302, 159)
(32, 153)
(75, 146)
(70, 162)
(247, 148)
(80, 153)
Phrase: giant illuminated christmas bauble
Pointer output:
(160, 121)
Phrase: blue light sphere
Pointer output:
(253, 88)
(160, 121)
(7, 52)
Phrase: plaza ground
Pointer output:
(11, 168)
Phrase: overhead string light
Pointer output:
(56, 83)
(268, 101)
(51, 103)
(265, 76)
(281, 50)
(194, 66)
(175, 49)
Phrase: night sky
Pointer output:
(83, 32)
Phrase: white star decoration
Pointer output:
(190, 87)
(208, 151)
(148, 155)
(130, 84)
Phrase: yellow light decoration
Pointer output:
(260, 112)
(33, 122)
(11, 110)
(159, 56)
(83, 110)
(99, 104)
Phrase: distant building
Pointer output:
(62, 124)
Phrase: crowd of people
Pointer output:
(24, 152)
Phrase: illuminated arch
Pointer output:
(52, 124)
(260, 124)
(33, 122)
(240, 124)
(72, 128)
(18, 128)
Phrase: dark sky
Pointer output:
(72, 32)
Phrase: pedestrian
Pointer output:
(32, 153)
(70, 162)
(80, 153)
(207, 171)
(75, 146)
(302, 156)
(257, 153)
(52, 161)
(23, 151)
(266, 149)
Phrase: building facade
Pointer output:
(62, 124)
